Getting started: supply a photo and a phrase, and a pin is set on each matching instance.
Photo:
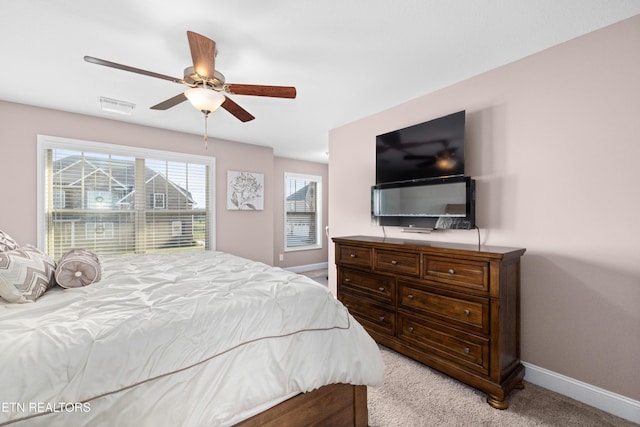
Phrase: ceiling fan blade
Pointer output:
(426, 163)
(260, 90)
(239, 112)
(203, 54)
(419, 157)
(171, 102)
(131, 69)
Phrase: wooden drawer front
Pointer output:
(370, 314)
(467, 311)
(354, 255)
(397, 262)
(376, 286)
(448, 344)
(466, 274)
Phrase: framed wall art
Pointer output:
(245, 191)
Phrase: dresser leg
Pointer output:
(497, 403)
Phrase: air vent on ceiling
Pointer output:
(116, 106)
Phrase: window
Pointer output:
(303, 211)
(98, 230)
(158, 200)
(113, 199)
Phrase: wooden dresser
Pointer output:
(450, 306)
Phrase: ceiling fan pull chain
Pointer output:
(206, 132)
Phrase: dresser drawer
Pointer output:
(447, 344)
(397, 262)
(466, 311)
(370, 314)
(353, 255)
(464, 274)
(376, 286)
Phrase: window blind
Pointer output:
(117, 204)
(302, 213)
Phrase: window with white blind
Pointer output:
(114, 199)
(303, 211)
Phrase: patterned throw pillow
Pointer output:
(25, 274)
(77, 268)
(7, 243)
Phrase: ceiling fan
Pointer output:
(207, 86)
(445, 158)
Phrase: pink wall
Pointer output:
(256, 235)
(553, 141)
(249, 234)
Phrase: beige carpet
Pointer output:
(415, 395)
(319, 276)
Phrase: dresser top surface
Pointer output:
(425, 245)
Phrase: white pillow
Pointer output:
(25, 274)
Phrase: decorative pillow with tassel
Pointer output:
(78, 268)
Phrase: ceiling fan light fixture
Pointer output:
(205, 100)
(446, 163)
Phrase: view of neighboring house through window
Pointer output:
(115, 200)
(303, 211)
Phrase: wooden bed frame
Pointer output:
(336, 405)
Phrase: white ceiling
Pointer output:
(347, 58)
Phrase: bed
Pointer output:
(185, 339)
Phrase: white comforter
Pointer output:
(189, 339)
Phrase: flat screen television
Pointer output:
(425, 150)
(435, 203)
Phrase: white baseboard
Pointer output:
(588, 394)
(308, 267)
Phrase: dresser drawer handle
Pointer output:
(410, 329)
(381, 318)
(410, 296)
(467, 312)
(381, 289)
(452, 271)
(347, 279)
(394, 262)
(352, 255)
(467, 350)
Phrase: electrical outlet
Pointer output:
(281, 257)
